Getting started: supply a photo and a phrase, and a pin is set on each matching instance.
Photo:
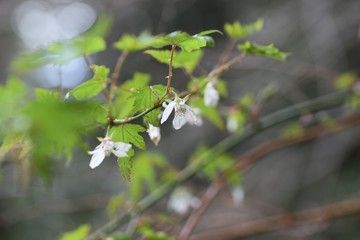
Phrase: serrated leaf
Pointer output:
(132, 43)
(145, 98)
(266, 51)
(187, 60)
(79, 233)
(237, 31)
(211, 113)
(125, 164)
(345, 81)
(93, 86)
(129, 133)
(182, 39)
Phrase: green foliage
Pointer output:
(101, 27)
(78, 234)
(144, 173)
(182, 39)
(125, 165)
(119, 236)
(149, 233)
(115, 203)
(267, 51)
(237, 31)
(129, 133)
(186, 60)
(147, 96)
(292, 131)
(45, 95)
(211, 113)
(345, 81)
(93, 86)
(132, 43)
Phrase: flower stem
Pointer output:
(169, 77)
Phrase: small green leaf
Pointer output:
(237, 31)
(144, 173)
(125, 164)
(146, 97)
(93, 86)
(267, 51)
(78, 234)
(211, 113)
(31, 60)
(101, 27)
(345, 81)
(293, 131)
(44, 95)
(187, 42)
(247, 101)
(129, 133)
(187, 60)
(132, 43)
(221, 86)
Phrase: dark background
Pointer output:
(323, 38)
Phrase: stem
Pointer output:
(129, 119)
(266, 122)
(229, 48)
(169, 77)
(119, 63)
(217, 71)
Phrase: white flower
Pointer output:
(181, 201)
(211, 95)
(105, 148)
(154, 134)
(183, 113)
(238, 195)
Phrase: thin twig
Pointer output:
(169, 77)
(268, 121)
(278, 222)
(119, 63)
(248, 159)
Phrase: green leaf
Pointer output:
(292, 131)
(31, 60)
(237, 31)
(247, 101)
(132, 43)
(221, 86)
(144, 173)
(115, 203)
(211, 113)
(129, 133)
(79, 233)
(146, 97)
(63, 52)
(101, 27)
(345, 81)
(267, 51)
(44, 95)
(182, 39)
(125, 164)
(124, 93)
(93, 86)
(187, 60)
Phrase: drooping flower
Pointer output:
(154, 134)
(183, 113)
(211, 95)
(181, 201)
(105, 148)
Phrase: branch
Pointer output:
(117, 69)
(169, 77)
(249, 158)
(268, 121)
(284, 221)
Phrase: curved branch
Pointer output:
(268, 121)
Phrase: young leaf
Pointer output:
(345, 81)
(129, 133)
(132, 43)
(31, 60)
(101, 27)
(237, 31)
(182, 39)
(146, 97)
(267, 51)
(187, 60)
(79, 233)
(126, 164)
(44, 95)
(211, 113)
(93, 86)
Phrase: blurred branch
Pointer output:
(268, 121)
(248, 159)
(284, 221)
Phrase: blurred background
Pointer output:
(323, 37)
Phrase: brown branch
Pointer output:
(322, 214)
(169, 77)
(248, 159)
(119, 63)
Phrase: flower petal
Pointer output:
(179, 119)
(168, 109)
(211, 95)
(97, 158)
(120, 149)
(192, 116)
